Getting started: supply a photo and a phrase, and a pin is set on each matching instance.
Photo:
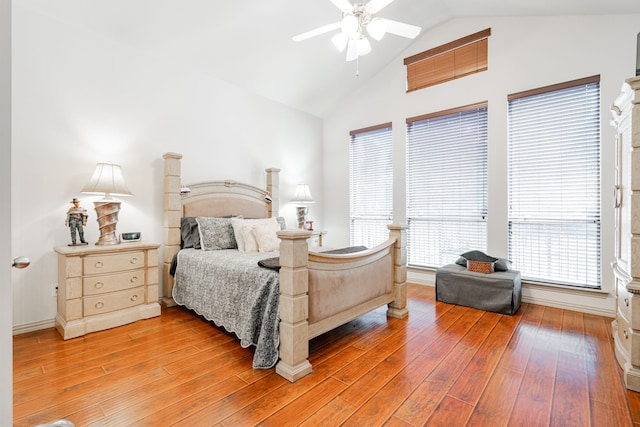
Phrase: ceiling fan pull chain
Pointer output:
(357, 66)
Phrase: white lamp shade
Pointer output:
(107, 179)
(303, 194)
(364, 46)
(377, 28)
(349, 25)
(340, 41)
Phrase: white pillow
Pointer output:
(250, 242)
(266, 237)
(244, 238)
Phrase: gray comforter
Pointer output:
(228, 288)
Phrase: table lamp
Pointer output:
(107, 179)
(302, 197)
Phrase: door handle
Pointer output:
(21, 262)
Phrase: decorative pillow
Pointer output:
(243, 235)
(189, 233)
(502, 264)
(480, 266)
(478, 256)
(216, 233)
(250, 242)
(266, 237)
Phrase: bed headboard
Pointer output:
(215, 198)
(223, 198)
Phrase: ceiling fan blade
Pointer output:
(316, 32)
(401, 29)
(377, 5)
(343, 5)
(352, 49)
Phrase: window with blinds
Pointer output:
(447, 185)
(453, 60)
(370, 184)
(554, 183)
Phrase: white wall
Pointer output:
(6, 345)
(79, 99)
(524, 53)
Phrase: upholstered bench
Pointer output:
(499, 291)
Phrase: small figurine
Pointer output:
(76, 220)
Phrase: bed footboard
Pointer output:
(319, 292)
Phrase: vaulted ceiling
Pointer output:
(248, 43)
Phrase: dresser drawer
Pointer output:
(101, 284)
(624, 302)
(98, 264)
(623, 335)
(104, 303)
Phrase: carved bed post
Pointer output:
(273, 189)
(398, 308)
(172, 215)
(294, 305)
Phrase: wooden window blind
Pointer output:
(447, 184)
(370, 184)
(459, 58)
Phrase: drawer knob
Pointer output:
(134, 279)
(134, 298)
(101, 304)
(99, 264)
(98, 285)
(626, 302)
(626, 334)
(134, 260)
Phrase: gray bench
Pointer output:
(499, 292)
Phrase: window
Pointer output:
(370, 184)
(554, 183)
(447, 185)
(459, 58)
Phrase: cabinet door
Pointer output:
(623, 195)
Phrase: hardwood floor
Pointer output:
(445, 366)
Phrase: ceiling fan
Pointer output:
(355, 19)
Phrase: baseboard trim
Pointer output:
(34, 326)
(597, 303)
(425, 278)
(586, 309)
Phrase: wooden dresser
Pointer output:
(101, 287)
(626, 266)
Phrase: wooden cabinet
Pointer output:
(101, 287)
(626, 266)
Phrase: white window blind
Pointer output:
(554, 183)
(370, 184)
(447, 185)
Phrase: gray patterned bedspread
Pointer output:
(228, 288)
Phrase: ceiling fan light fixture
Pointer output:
(340, 41)
(377, 28)
(363, 46)
(350, 25)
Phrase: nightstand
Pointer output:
(315, 241)
(101, 287)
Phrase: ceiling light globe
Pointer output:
(364, 46)
(377, 28)
(349, 25)
(340, 41)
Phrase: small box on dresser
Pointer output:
(101, 287)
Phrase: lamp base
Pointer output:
(302, 211)
(107, 212)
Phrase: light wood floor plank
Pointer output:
(444, 365)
